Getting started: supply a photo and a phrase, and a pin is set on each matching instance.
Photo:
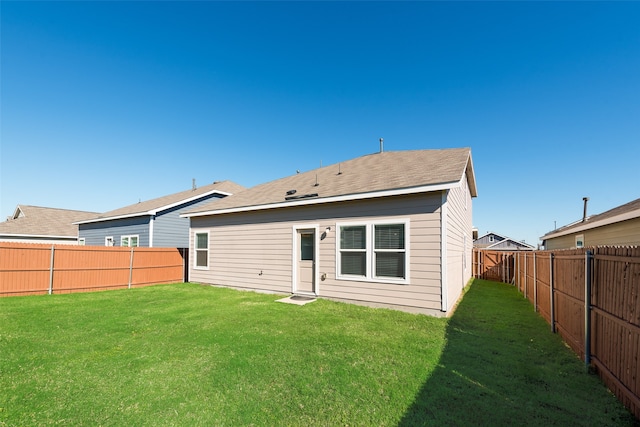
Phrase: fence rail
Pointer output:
(33, 269)
(590, 297)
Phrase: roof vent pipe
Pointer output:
(193, 184)
(584, 212)
(381, 145)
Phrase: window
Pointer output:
(374, 251)
(108, 241)
(306, 246)
(81, 241)
(202, 250)
(491, 239)
(580, 241)
(353, 250)
(129, 241)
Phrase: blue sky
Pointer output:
(106, 103)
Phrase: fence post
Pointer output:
(588, 262)
(525, 275)
(552, 309)
(51, 270)
(535, 284)
(517, 272)
(130, 267)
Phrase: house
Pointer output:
(487, 240)
(36, 224)
(152, 223)
(390, 229)
(496, 242)
(619, 226)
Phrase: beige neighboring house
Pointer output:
(35, 224)
(391, 229)
(619, 226)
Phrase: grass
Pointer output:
(188, 355)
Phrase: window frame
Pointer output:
(129, 237)
(370, 251)
(196, 250)
(82, 241)
(108, 239)
(579, 239)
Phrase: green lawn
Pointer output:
(192, 355)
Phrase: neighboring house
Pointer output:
(36, 224)
(152, 223)
(487, 240)
(388, 229)
(619, 226)
(496, 242)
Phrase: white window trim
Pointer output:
(195, 250)
(106, 241)
(129, 237)
(81, 241)
(579, 238)
(370, 272)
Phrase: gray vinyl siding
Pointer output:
(459, 243)
(171, 231)
(485, 241)
(253, 250)
(95, 233)
(624, 233)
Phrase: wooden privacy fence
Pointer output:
(493, 265)
(591, 298)
(31, 269)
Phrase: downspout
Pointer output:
(443, 251)
(151, 220)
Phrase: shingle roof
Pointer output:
(621, 213)
(379, 172)
(41, 221)
(150, 207)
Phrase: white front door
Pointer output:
(305, 261)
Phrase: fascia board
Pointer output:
(152, 212)
(495, 234)
(618, 218)
(526, 245)
(37, 235)
(342, 198)
(111, 218)
(189, 200)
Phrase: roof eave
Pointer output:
(330, 199)
(589, 225)
(49, 236)
(471, 176)
(111, 218)
(189, 200)
(154, 211)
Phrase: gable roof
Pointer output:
(373, 175)
(624, 212)
(508, 242)
(37, 221)
(490, 234)
(153, 206)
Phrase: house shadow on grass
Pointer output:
(501, 365)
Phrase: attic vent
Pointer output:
(302, 196)
(290, 192)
